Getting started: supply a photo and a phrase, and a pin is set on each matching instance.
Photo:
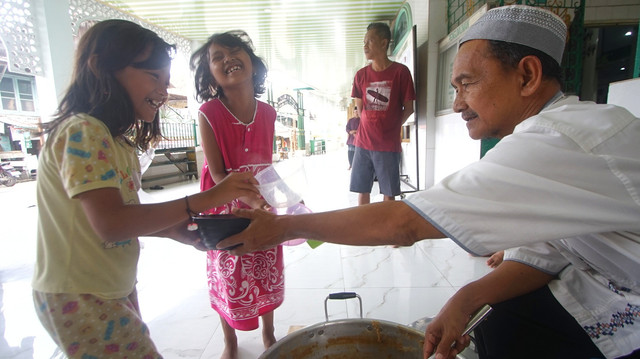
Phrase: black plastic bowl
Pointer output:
(215, 227)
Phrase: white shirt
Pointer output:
(565, 188)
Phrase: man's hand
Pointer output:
(442, 336)
(264, 232)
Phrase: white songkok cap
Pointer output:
(525, 25)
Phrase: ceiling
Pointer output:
(315, 43)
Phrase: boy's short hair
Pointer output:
(381, 29)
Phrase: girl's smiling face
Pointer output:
(147, 88)
(230, 66)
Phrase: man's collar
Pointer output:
(557, 97)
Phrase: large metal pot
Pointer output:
(349, 339)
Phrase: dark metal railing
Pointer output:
(177, 135)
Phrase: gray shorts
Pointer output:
(383, 165)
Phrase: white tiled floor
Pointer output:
(399, 285)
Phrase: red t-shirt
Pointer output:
(382, 94)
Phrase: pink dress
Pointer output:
(242, 288)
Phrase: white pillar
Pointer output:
(437, 30)
(56, 51)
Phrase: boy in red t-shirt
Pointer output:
(384, 96)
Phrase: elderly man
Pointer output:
(562, 187)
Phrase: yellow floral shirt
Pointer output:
(81, 155)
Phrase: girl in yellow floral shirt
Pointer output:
(89, 214)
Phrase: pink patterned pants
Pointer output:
(85, 326)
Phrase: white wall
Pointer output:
(428, 33)
(625, 94)
(454, 149)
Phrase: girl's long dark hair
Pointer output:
(207, 87)
(105, 48)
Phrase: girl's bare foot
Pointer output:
(230, 341)
(495, 259)
(268, 339)
(230, 350)
(268, 330)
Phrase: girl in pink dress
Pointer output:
(237, 136)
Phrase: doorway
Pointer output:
(610, 56)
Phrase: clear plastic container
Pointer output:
(282, 187)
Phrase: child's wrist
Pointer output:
(188, 209)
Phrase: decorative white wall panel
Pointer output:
(19, 36)
(89, 10)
